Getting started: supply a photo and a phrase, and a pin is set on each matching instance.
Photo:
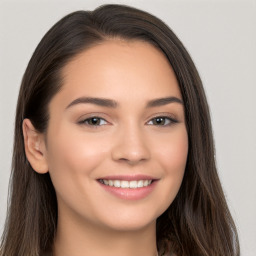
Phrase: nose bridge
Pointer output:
(130, 144)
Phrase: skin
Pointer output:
(127, 140)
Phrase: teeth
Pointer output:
(127, 184)
(133, 184)
(105, 182)
(117, 183)
(145, 183)
(140, 183)
(124, 184)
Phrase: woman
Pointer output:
(113, 150)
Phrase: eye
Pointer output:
(93, 121)
(162, 121)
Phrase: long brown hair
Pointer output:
(198, 221)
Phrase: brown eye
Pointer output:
(93, 121)
(162, 121)
(159, 121)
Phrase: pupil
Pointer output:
(94, 121)
(159, 120)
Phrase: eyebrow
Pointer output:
(113, 104)
(163, 101)
(96, 101)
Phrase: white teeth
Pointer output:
(117, 183)
(127, 184)
(140, 183)
(145, 183)
(124, 184)
(133, 184)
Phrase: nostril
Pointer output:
(132, 161)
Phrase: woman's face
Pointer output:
(117, 141)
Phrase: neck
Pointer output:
(78, 238)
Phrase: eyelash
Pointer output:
(85, 121)
(170, 120)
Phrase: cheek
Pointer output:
(172, 157)
(172, 152)
(72, 156)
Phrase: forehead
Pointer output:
(119, 69)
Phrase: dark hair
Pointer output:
(198, 221)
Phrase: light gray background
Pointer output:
(220, 36)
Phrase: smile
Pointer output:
(128, 187)
(126, 184)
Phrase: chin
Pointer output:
(131, 221)
(131, 225)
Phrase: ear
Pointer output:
(35, 147)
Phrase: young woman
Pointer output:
(113, 150)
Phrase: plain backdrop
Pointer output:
(221, 38)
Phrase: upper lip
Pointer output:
(128, 177)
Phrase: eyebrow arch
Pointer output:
(163, 101)
(113, 104)
(96, 101)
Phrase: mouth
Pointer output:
(133, 184)
(131, 187)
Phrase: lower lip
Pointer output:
(130, 193)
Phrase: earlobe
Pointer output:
(34, 147)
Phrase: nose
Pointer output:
(130, 146)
